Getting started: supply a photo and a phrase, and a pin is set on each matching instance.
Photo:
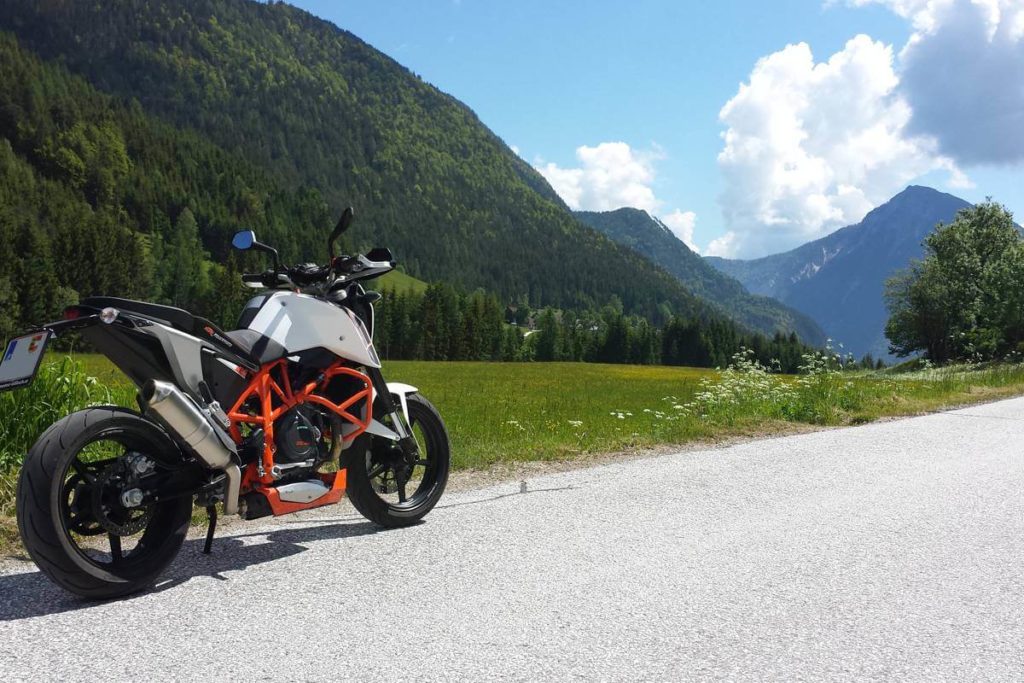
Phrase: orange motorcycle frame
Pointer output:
(272, 390)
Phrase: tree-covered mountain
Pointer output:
(98, 197)
(638, 230)
(318, 109)
(839, 280)
(136, 136)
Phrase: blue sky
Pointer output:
(552, 77)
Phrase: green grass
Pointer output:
(508, 412)
(60, 387)
(500, 412)
(505, 412)
(400, 282)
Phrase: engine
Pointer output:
(302, 435)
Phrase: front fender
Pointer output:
(401, 392)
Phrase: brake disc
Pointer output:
(78, 498)
(107, 508)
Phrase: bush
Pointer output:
(822, 393)
(59, 389)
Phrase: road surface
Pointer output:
(893, 550)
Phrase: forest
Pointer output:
(132, 148)
(441, 323)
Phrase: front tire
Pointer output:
(55, 505)
(392, 498)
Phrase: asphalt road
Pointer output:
(891, 550)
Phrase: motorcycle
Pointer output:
(286, 413)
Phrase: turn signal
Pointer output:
(108, 315)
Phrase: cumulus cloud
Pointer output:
(962, 73)
(681, 224)
(612, 175)
(810, 147)
(724, 246)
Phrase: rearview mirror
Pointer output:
(342, 226)
(243, 240)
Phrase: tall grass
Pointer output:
(823, 393)
(59, 388)
(504, 412)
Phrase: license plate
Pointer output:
(21, 360)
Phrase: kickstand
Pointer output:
(211, 512)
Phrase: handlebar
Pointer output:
(308, 274)
(270, 279)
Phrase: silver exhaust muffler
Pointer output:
(179, 414)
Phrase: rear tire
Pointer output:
(42, 507)
(434, 449)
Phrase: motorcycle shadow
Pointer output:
(33, 595)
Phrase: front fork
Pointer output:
(397, 412)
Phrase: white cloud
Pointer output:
(681, 224)
(962, 72)
(612, 175)
(724, 246)
(810, 147)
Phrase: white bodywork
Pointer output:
(401, 394)
(299, 322)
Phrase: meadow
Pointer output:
(504, 412)
(500, 413)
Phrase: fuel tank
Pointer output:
(299, 322)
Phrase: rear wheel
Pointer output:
(74, 519)
(389, 488)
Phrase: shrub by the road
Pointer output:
(822, 393)
(59, 388)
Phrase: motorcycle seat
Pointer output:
(261, 349)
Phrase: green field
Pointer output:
(514, 412)
(531, 411)
(398, 281)
(505, 412)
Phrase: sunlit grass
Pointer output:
(397, 281)
(504, 412)
(508, 412)
(498, 412)
(61, 387)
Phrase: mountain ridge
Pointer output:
(320, 109)
(160, 128)
(638, 230)
(839, 279)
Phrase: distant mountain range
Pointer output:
(839, 279)
(638, 230)
(157, 129)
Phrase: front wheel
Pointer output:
(391, 489)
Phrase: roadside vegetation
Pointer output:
(965, 300)
(499, 413)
